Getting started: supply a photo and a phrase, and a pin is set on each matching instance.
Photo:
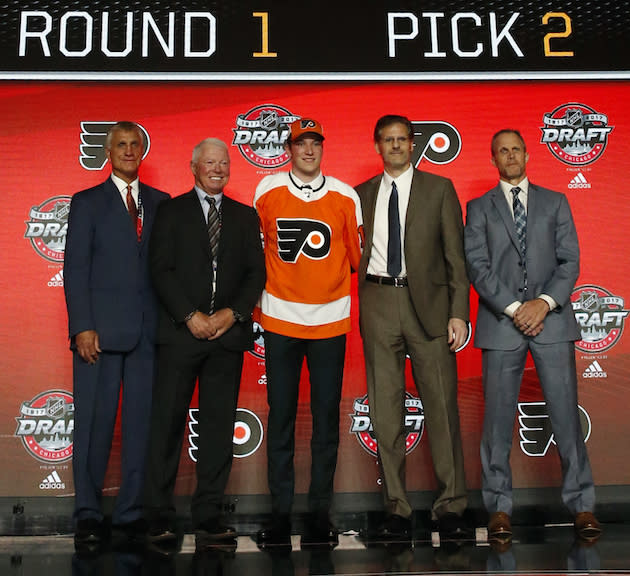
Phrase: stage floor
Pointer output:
(535, 550)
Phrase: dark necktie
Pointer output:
(214, 227)
(214, 231)
(520, 220)
(132, 209)
(394, 265)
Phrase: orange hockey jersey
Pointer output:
(312, 239)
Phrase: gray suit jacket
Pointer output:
(495, 265)
(434, 249)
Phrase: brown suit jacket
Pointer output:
(434, 249)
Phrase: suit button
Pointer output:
(520, 289)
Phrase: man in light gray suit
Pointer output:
(523, 260)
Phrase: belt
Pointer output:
(387, 280)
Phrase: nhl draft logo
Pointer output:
(600, 316)
(92, 148)
(46, 426)
(248, 433)
(362, 425)
(48, 226)
(260, 135)
(438, 142)
(259, 342)
(535, 427)
(575, 133)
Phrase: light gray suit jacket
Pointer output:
(495, 265)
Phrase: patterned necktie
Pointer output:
(520, 220)
(394, 265)
(214, 227)
(214, 231)
(132, 208)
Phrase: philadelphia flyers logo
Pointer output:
(306, 123)
(302, 236)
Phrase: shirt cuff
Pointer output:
(509, 311)
(552, 303)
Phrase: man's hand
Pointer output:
(200, 326)
(211, 327)
(222, 321)
(529, 316)
(457, 333)
(88, 346)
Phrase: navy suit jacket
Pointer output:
(495, 265)
(106, 269)
(181, 267)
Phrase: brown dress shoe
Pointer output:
(587, 527)
(499, 528)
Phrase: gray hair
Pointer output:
(124, 126)
(207, 142)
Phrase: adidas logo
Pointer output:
(52, 482)
(579, 181)
(594, 371)
(57, 279)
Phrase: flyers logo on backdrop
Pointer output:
(575, 133)
(302, 236)
(46, 426)
(600, 316)
(92, 148)
(535, 427)
(248, 433)
(260, 135)
(438, 142)
(362, 425)
(48, 226)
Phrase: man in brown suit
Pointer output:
(413, 293)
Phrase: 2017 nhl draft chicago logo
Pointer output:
(248, 433)
(575, 133)
(48, 226)
(260, 134)
(92, 148)
(362, 425)
(439, 142)
(600, 315)
(259, 342)
(46, 426)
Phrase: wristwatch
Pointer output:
(238, 316)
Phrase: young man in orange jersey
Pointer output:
(311, 227)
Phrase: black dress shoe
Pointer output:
(89, 531)
(212, 532)
(451, 526)
(319, 532)
(275, 535)
(395, 528)
(161, 530)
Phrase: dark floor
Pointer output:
(535, 550)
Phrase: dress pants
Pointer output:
(97, 391)
(284, 357)
(219, 373)
(502, 375)
(390, 330)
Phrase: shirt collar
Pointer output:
(403, 180)
(201, 194)
(506, 187)
(122, 185)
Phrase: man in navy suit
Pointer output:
(208, 270)
(523, 260)
(112, 314)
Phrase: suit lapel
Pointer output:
(414, 211)
(369, 212)
(500, 203)
(118, 211)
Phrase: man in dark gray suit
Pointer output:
(523, 260)
(112, 316)
(208, 270)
